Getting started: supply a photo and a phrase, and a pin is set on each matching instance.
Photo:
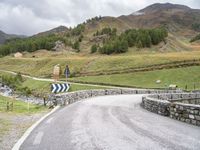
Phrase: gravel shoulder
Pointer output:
(12, 127)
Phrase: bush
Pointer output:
(78, 30)
(76, 46)
(94, 48)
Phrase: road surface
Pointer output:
(111, 123)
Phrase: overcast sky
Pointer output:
(32, 16)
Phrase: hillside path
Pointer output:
(51, 80)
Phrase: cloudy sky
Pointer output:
(32, 16)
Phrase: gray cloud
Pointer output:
(31, 16)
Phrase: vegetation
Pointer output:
(107, 31)
(78, 30)
(97, 18)
(140, 38)
(76, 46)
(94, 48)
(42, 64)
(47, 42)
(196, 38)
(181, 77)
(116, 45)
(29, 44)
(196, 26)
(15, 82)
(37, 88)
(17, 106)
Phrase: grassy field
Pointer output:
(42, 88)
(19, 106)
(42, 65)
(13, 123)
(181, 77)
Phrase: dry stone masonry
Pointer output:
(68, 98)
(184, 107)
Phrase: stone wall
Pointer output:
(185, 112)
(68, 98)
(184, 107)
(177, 96)
(156, 106)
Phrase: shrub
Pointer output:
(94, 48)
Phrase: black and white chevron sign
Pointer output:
(59, 87)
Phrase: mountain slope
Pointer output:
(171, 15)
(57, 30)
(182, 22)
(4, 36)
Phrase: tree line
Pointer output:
(107, 31)
(47, 42)
(140, 38)
(29, 44)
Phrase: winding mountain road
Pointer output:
(111, 123)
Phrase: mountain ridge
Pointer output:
(182, 23)
(4, 36)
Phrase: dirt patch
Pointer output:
(13, 126)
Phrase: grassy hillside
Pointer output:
(42, 65)
(43, 88)
(177, 19)
(19, 106)
(182, 77)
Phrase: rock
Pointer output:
(191, 116)
(197, 118)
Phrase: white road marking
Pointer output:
(38, 138)
(49, 120)
(28, 132)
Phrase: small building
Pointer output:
(18, 55)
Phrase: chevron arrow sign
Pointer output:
(60, 87)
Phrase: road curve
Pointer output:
(111, 123)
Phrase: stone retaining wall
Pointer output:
(156, 106)
(68, 98)
(176, 97)
(184, 107)
(185, 112)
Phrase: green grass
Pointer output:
(43, 88)
(19, 106)
(37, 87)
(181, 77)
(42, 65)
(75, 87)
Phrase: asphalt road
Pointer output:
(111, 123)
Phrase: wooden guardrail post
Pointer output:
(11, 106)
(7, 105)
(44, 99)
